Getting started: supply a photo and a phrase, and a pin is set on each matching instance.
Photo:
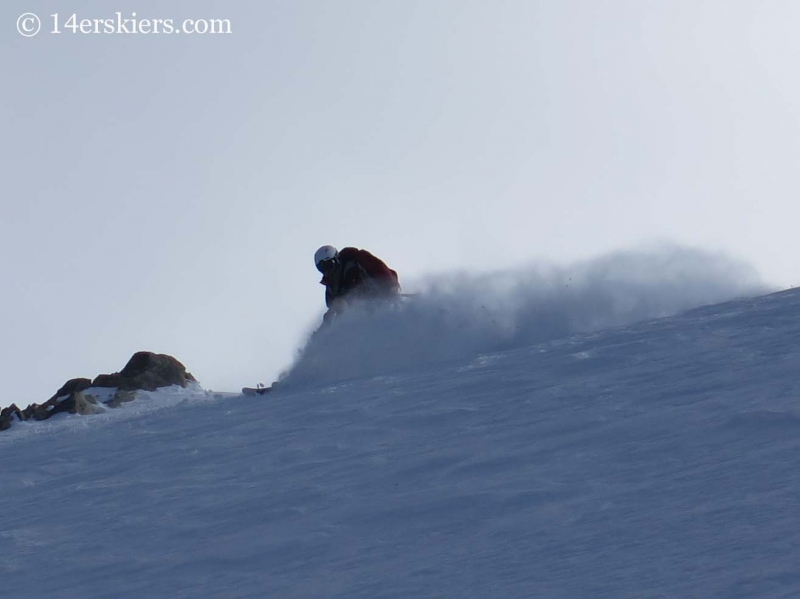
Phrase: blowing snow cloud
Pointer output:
(460, 315)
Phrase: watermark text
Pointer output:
(30, 25)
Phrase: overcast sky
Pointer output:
(167, 192)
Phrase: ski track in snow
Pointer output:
(653, 460)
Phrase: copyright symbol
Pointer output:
(28, 24)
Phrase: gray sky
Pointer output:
(167, 192)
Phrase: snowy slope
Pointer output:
(654, 460)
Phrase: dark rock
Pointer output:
(75, 403)
(62, 400)
(107, 380)
(40, 411)
(71, 386)
(7, 416)
(28, 412)
(11, 411)
(51, 407)
(146, 371)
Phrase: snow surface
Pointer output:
(657, 459)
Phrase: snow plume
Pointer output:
(467, 314)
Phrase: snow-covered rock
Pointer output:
(145, 371)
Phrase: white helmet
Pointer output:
(325, 253)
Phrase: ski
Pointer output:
(260, 390)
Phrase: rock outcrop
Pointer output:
(145, 371)
(7, 416)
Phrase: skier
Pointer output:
(352, 274)
(348, 275)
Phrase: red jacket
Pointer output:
(359, 274)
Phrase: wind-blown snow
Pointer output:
(656, 459)
(461, 315)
